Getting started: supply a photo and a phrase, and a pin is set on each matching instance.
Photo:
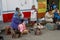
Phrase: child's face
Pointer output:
(33, 7)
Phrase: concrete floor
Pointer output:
(46, 35)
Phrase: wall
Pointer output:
(59, 4)
(4, 5)
(42, 7)
(22, 4)
(8, 7)
(1, 10)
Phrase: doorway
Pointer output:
(50, 1)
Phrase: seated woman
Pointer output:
(17, 17)
(56, 15)
(22, 28)
(49, 16)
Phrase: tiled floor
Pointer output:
(46, 35)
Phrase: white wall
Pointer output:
(12, 4)
(4, 5)
(36, 3)
(1, 10)
(22, 4)
(8, 5)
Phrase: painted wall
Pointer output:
(10, 5)
(22, 4)
(42, 6)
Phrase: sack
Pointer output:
(37, 31)
(25, 32)
(50, 26)
(40, 26)
(58, 26)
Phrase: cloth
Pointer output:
(48, 17)
(21, 27)
(38, 26)
(33, 15)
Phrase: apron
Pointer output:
(33, 15)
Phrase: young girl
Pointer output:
(22, 28)
(33, 16)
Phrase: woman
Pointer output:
(49, 16)
(58, 18)
(33, 17)
(56, 14)
(17, 17)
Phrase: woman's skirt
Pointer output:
(15, 22)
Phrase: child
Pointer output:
(37, 29)
(22, 28)
(33, 16)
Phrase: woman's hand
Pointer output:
(19, 14)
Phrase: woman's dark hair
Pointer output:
(37, 24)
(17, 8)
(49, 10)
(21, 21)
